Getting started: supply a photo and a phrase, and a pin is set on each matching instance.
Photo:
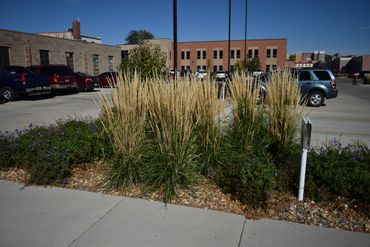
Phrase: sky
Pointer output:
(333, 26)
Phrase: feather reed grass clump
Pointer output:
(124, 116)
(247, 115)
(284, 107)
(174, 152)
(208, 114)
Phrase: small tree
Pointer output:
(253, 64)
(138, 37)
(147, 60)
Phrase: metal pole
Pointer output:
(302, 175)
(245, 33)
(175, 38)
(228, 49)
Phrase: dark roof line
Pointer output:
(48, 37)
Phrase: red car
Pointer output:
(61, 77)
(104, 79)
(85, 82)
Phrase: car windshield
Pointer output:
(17, 70)
(57, 70)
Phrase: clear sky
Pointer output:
(327, 25)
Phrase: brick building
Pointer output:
(212, 55)
(17, 48)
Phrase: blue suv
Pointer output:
(316, 85)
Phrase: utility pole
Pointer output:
(175, 38)
(245, 33)
(228, 49)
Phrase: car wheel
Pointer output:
(316, 99)
(8, 94)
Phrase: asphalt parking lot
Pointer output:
(346, 117)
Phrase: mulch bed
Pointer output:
(340, 213)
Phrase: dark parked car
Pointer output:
(106, 78)
(17, 80)
(61, 77)
(85, 82)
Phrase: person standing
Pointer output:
(355, 76)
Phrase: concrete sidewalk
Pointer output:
(53, 217)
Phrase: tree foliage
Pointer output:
(250, 65)
(147, 60)
(137, 37)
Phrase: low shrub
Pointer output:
(50, 153)
(334, 170)
(7, 150)
(248, 177)
(366, 78)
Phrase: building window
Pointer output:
(250, 52)
(124, 55)
(69, 60)
(256, 53)
(220, 54)
(232, 55)
(214, 68)
(198, 54)
(268, 68)
(214, 54)
(220, 67)
(110, 63)
(238, 53)
(198, 67)
(182, 68)
(4, 56)
(274, 53)
(232, 68)
(44, 57)
(274, 67)
(96, 64)
(188, 55)
(182, 55)
(268, 53)
(204, 54)
(204, 67)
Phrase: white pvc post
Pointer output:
(303, 174)
(305, 139)
(223, 90)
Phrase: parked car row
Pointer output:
(16, 81)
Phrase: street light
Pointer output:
(245, 33)
(175, 38)
(228, 49)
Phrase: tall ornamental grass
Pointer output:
(173, 162)
(124, 116)
(208, 114)
(247, 115)
(284, 107)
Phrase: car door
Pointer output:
(306, 81)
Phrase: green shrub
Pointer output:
(7, 150)
(334, 170)
(366, 79)
(50, 153)
(249, 177)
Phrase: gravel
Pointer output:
(340, 213)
